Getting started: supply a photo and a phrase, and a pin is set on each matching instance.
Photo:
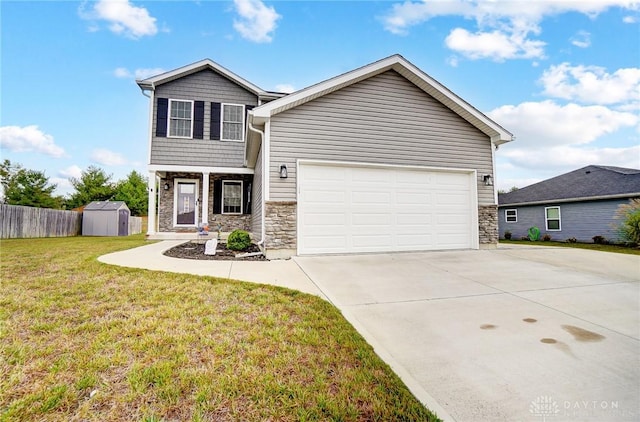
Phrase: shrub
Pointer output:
(600, 240)
(534, 233)
(546, 237)
(507, 235)
(572, 240)
(525, 238)
(238, 240)
(629, 227)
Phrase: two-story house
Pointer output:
(382, 158)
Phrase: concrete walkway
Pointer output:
(525, 333)
(283, 273)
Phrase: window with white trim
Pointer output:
(232, 122)
(511, 216)
(232, 197)
(552, 218)
(180, 118)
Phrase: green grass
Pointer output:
(591, 246)
(81, 340)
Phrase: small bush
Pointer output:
(572, 240)
(600, 240)
(524, 238)
(534, 233)
(507, 235)
(546, 237)
(238, 240)
(628, 225)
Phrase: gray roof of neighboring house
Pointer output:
(105, 206)
(588, 183)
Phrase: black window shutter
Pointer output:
(216, 117)
(161, 117)
(198, 119)
(246, 196)
(217, 196)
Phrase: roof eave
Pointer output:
(497, 133)
(196, 67)
(565, 200)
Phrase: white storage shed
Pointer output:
(106, 218)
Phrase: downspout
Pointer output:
(149, 92)
(262, 180)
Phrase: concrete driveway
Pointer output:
(517, 333)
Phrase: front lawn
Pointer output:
(81, 340)
(592, 246)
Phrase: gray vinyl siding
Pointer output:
(207, 86)
(582, 220)
(256, 199)
(384, 119)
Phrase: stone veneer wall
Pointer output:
(165, 208)
(488, 224)
(280, 220)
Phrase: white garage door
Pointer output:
(347, 209)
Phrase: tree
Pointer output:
(629, 226)
(93, 185)
(26, 187)
(133, 191)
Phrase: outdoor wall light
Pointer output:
(167, 186)
(488, 180)
(283, 171)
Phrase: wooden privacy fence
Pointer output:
(18, 222)
(135, 225)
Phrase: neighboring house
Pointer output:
(580, 204)
(382, 158)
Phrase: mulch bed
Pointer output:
(195, 250)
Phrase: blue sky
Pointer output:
(563, 76)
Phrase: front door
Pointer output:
(186, 195)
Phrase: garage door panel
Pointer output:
(325, 219)
(413, 198)
(371, 219)
(362, 209)
(373, 198)
(324, 197)
(372, 242)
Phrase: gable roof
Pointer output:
(398, 63)
(588, 183)
(205, 64)
(105, 206)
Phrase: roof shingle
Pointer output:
(588, 182)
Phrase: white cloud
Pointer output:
(629, 19)
(288, 88)
(582, 39)
(256, 22)
(123, 72)
(568, 157)
(71, 171)
(505, 25)
(544, 124)
(591, 84)
(29, 139)
(496, 45)
(108, 158)
(123, 17)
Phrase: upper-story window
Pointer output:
(180, 118)
(232, 122)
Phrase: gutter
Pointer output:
(261, 133)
